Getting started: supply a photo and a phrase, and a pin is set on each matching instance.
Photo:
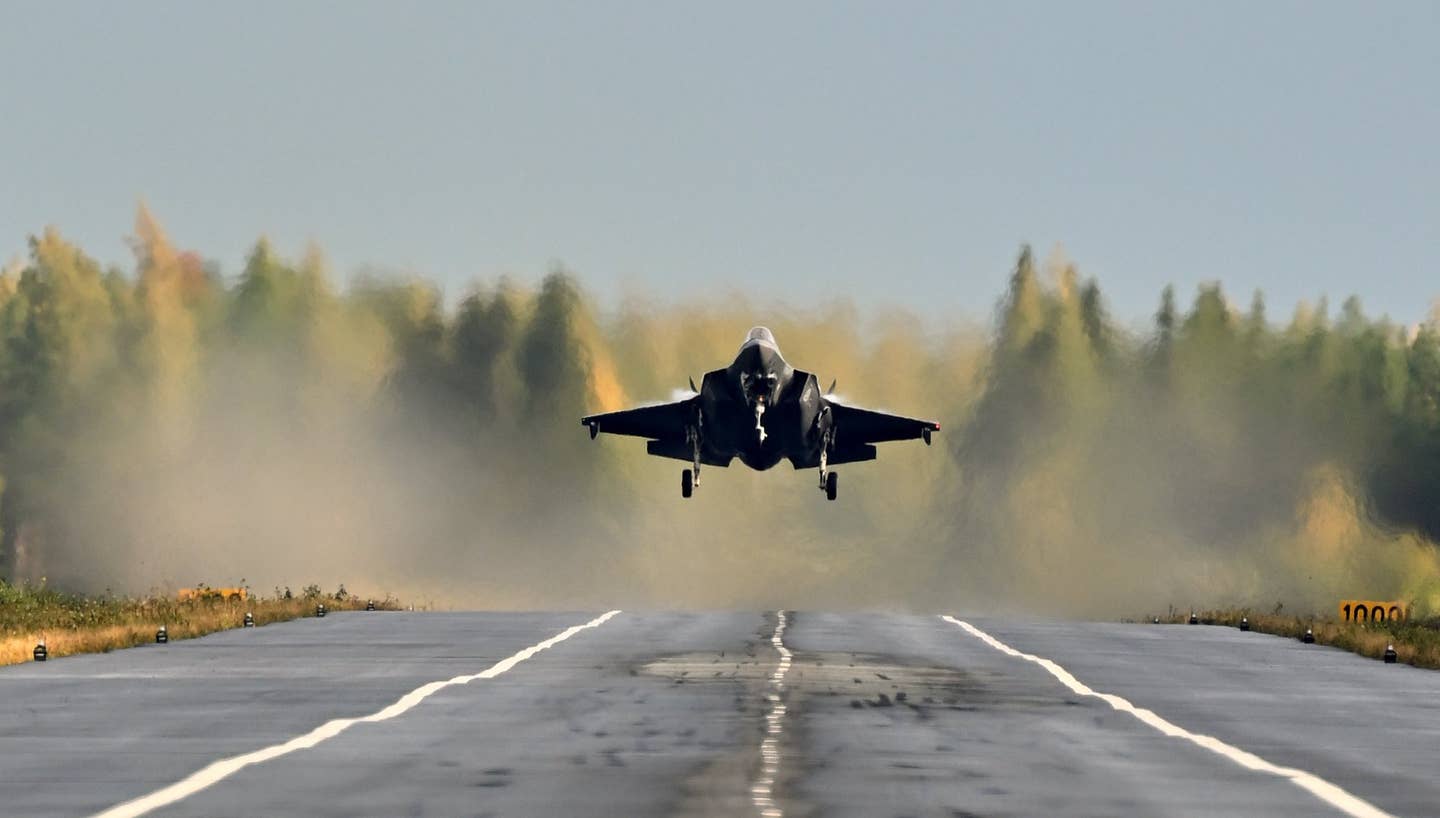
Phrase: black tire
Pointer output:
(687, 483)
(832, 485)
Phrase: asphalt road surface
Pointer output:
(708, 714)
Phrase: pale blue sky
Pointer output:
(894, 151)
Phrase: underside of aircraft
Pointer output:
(761, 410)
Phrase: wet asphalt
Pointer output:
(663, 714)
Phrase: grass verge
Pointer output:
(71, 623)
(1416, 642)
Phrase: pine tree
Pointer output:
(1022, 312)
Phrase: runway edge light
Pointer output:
(1244, 623)
(41, 652)
(162, 636)
(1194, 620)
(1390, 655)
(1155, 620)
(249, 619)
(320, 610)
(370, 605)
(1309, 637)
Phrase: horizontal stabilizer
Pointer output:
(680, 450)
(858, 453)
(852, 454)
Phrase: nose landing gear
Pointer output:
(687, 483)
(831, 485)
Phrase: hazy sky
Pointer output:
(897, 151)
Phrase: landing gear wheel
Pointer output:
(832, 481)
(687, 483)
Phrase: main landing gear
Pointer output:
(690, 478)
(829, 480)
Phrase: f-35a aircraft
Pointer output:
(761, 410)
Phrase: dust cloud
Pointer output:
(165, 426)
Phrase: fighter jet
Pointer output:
(761, 410)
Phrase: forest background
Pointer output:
(170, 424)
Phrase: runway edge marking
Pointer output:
(218, 771)
(1311, 783)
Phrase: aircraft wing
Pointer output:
(663, 421)
(855, 426)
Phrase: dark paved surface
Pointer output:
(1371, 728)
(655, 714)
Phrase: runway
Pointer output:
(704, 714)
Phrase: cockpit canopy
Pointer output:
(762, 336)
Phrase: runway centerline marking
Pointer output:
(762, 793)
(218, 771)
(1324, 790)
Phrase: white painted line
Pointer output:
(1311, 783)
(762, 793)
(226, 767)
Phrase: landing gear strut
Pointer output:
(829, 480)
(690, 478)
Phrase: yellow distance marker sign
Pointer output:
(1367, 610)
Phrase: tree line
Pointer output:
(167, 420)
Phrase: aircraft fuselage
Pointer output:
(761, 410)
